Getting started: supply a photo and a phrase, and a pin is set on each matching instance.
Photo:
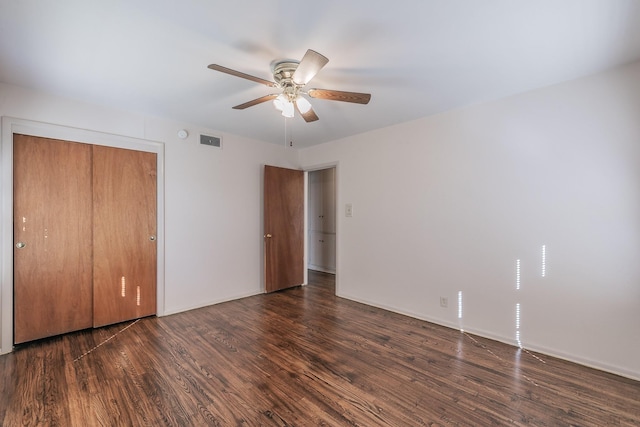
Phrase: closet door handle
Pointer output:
(20, 245)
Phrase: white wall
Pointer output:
(449, 203)
(212, 200)
(214, 222)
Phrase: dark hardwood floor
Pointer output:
(300, 357)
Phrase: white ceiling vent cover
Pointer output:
(213, 141)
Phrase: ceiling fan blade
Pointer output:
(311, 63)
(309, 116)
(226, 70)
(255, 102)
(336, 95)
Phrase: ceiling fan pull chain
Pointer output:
(290, 136)
(285, 131)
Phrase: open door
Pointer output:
(283, 228)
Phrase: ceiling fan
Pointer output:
(291, 76)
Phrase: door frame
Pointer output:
(11, 125)
(311, 168)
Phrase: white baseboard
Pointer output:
(322, 269)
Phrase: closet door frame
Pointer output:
(12, 125)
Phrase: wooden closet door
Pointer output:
(124, 212)
(52, 237)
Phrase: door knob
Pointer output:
(20, 245)
(268, 236)
(152, 238)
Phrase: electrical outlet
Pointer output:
(444, 302)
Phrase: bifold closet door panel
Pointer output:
(124, 235)
(52, 237)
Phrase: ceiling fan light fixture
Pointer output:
(287, 109)
(280, 102)
(303, 105)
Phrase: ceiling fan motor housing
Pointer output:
(283, 75)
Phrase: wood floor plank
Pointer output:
(300, 357)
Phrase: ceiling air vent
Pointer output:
(213, 141)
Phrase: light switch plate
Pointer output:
(348, 210)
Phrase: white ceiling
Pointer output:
(416, 57)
